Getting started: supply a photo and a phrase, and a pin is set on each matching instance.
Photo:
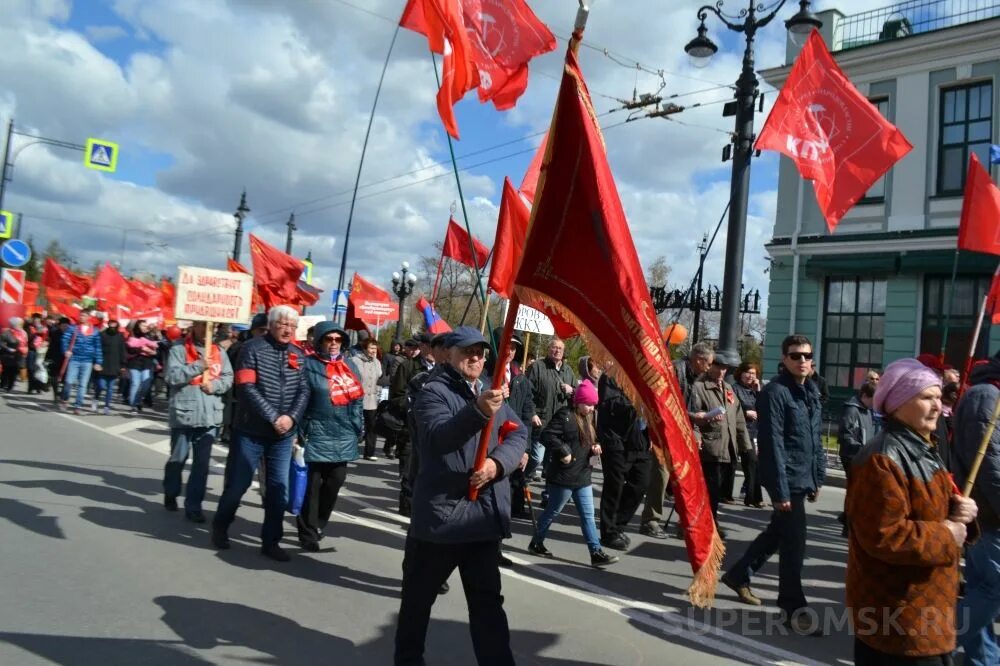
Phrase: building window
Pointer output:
(969, 293)
(877, 191)
(853, 331)
(966, 126)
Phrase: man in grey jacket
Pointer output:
(196, 386)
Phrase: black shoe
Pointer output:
(195, 516)
(405, 509)
(802, 624)
(170, 503)
(390, 456)
(311, 546)
(220, 539)
(520, 515)
(653, 529)
(276, 553)
(506, 562)
(445, 587)
(723, 534)
(601, 559)
(615, 542)
(538, 548)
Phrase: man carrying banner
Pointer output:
(447, 529)
(198, 380)
(273, 393)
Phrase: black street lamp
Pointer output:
(240, 215)
(701, 49)
(402, 285)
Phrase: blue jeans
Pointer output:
(535, 454)
(139, 381)
(77, 374)
(105, 385)
(182, 442)
(245, 453)
(981, 603)
(583, 498)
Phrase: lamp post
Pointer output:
(240, 215)
(402, 285)
(701, 49)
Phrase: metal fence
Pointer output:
(910, 18)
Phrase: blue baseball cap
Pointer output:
(466, 336)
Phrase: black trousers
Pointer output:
(426, 566)
(728, 483)
(755, 494)
(370, 434)
(626, 477)
(785, 535)
(322, 488)
(713, 471)
(517, 483)
(9, 375)
(403, 451)
(869, 656)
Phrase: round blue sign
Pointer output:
(15, 253)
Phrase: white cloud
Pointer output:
(274, 97)
(105, 33)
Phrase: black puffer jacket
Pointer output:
(972, 417)
(270, 382)
(619, 427)
(562, 437)
(114, 352)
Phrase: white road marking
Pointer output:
(666, 621)
(128, 426)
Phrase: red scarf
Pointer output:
(214, 361)
(22, 340)
(344, 386)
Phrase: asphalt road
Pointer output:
(95, 571)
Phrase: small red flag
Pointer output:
(236, 267)
(57, 278)
(835, 136)
(275, 274)
(530, 182)
(512, 227)
(979, 228)
(500, 39)
(580, 259)
(169, 298)
(993, 300)
(111, 287)
(368, 304)
(456, 246)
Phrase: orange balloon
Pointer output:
(675, 334)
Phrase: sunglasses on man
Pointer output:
(798, 356)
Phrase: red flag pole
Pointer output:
(498, 379)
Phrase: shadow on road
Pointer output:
(30, 518)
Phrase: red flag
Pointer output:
(503, 36)
(993, 300)
(275, 274)
(62, 280)
(836, 137)
(236, 267)
(456, 246)
(111, 287)
(145, 296)
(30, 296)
(979, 229)
(590, 274)
(367, 304)
(512, 227)
(530, 182)
(169, 300)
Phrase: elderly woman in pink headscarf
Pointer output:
(907, 526)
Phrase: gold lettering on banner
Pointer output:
(650, 373)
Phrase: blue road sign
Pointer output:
(101, 155)
(15, 253)
(340, 301)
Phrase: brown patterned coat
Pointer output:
(902, 570)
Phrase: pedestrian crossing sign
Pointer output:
(6, 224)
(101, 155)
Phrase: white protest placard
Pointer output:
(531, 320)
(305, 323)
(204, 294)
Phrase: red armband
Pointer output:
(246, 376)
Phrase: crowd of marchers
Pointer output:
(907, 441)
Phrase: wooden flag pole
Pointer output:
(486, 312)
(206, 376)
(981, 453)
(527, 345)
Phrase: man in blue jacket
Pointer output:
(447, 530)
(792, 466)
(273, 393)
(82, 346)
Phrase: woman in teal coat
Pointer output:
(330, 429)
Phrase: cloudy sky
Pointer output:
(207, 97)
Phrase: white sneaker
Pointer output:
(371, 458)
(107, 411)
(93, 406)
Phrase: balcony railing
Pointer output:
(910, 18)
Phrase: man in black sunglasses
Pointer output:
(792, 467)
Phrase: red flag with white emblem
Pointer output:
(835, 136)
